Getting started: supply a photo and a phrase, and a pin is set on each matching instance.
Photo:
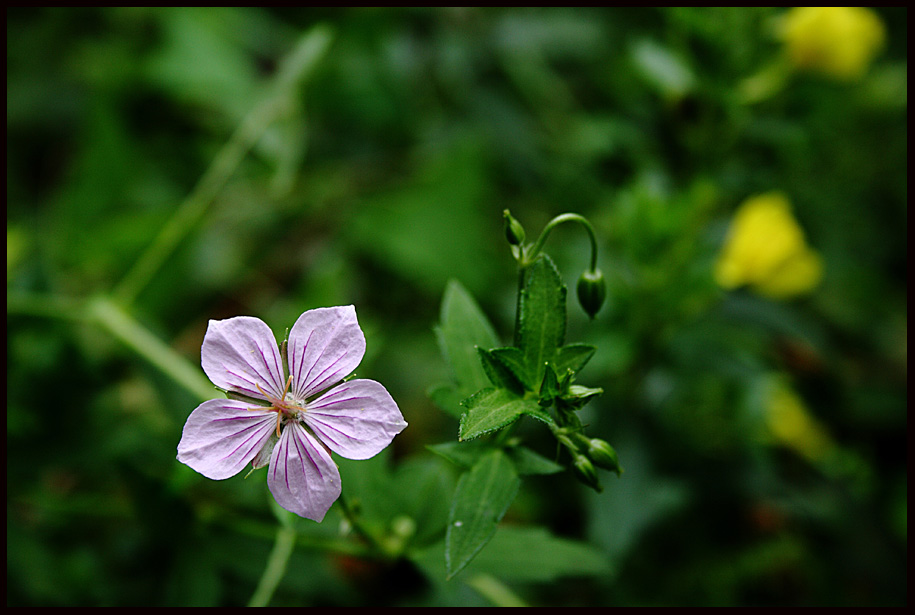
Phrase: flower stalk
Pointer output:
(276, 566)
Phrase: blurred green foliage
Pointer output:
(385, 176)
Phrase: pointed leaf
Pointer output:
(513, 359)
(448, 396)
(499, 374)
(541, 315)
(463, 327)
(526, 555)
(572, 357)
(533, 554)
(464, 454)
(482, 496)
(549, 388)
(492, 409)
(528, 462)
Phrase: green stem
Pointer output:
(266, 531)
(276, 566)
(294, 69)
(108, 315)
(527, 255)
(494, 590)
(121, 325)
(46, 306)
(531, 254)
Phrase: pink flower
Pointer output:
(294, 414)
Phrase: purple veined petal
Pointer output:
(356, 419)
(302, 476)
(222, 435)
(325, 346)
(240, 354)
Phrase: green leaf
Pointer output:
(549, 388)
(462, 329)
(662, 68)
(448, 396)
(482, 496)
(513, 360)
(492, 409)
(464, 454)
(500, 374)
(572, 357)
(532, 554)
(528, 462)
(541, 315)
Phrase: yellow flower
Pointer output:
(839, 41)
(789, 423)
(765, 249)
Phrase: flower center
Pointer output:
(284, 408)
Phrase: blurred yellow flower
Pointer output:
(790, 423)
(839, 41)
(765, 249)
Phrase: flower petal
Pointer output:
(302, 477)
(222, 435)
(240, 354)
(325, 346)
(356, 419)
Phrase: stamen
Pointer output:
(278, 405)
(286, 389)
(264, 393)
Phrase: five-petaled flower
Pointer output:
(283, 407)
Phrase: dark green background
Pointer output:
(390, 175)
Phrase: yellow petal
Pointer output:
(791, 424)
(798, 275)
(839, 41)
(765, 249)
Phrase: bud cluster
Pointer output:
(587, 454)
(556, 388)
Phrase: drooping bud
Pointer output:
(592, 290)
(514, 232)
(585, 472)
(603, 456)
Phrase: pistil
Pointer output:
(279, 405)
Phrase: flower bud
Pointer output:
(514, 232)
(591, 291)
(603, 456)
(585, 472)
